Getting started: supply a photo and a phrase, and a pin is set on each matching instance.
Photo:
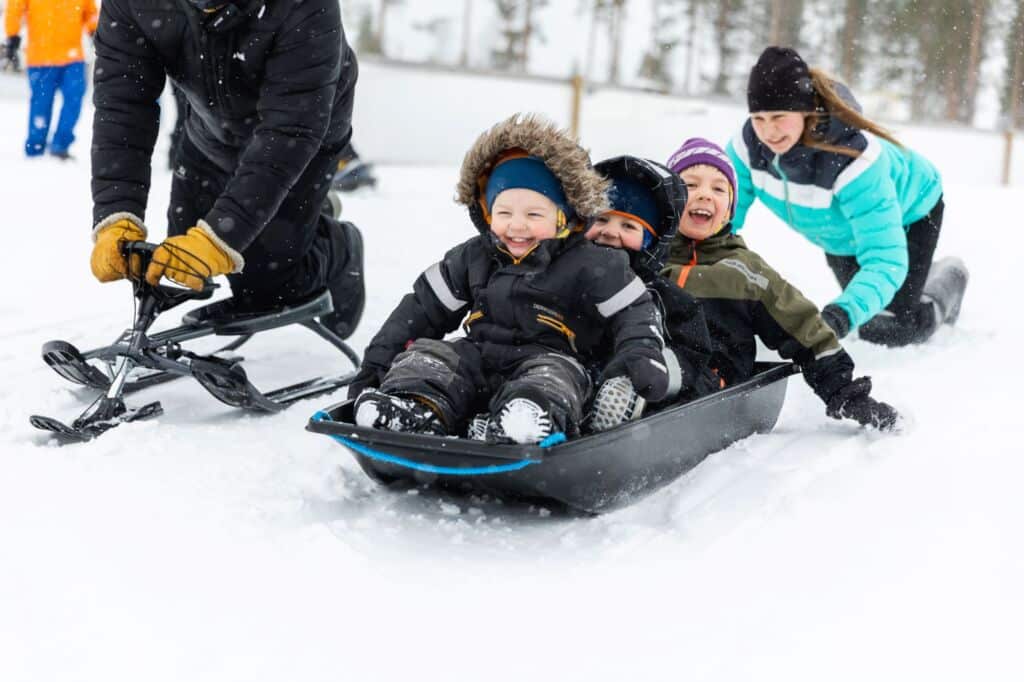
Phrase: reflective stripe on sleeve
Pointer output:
(624, 298)
(441, 289)
(675, 374)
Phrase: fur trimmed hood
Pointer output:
(585, 189)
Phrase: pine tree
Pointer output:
(509, 55)
(656, 62)
(367, 38)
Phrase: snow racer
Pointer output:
(137, 360)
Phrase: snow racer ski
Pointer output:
(594, 473)
(137, 360)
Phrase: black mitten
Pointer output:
(368, 376)
(836, 318)
(854, 401)
(645, 368)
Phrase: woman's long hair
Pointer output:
(835, 105)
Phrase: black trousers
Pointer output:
(907, 319)
(297, 253)
(458, 378)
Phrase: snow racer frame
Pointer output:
(594, 473)
(137, 360)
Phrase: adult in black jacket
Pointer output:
(532, 319)
(269, 87)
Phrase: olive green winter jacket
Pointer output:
(743, 297)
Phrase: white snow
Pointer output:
(213, 545)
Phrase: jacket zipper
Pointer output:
(785, 190)
(473, 317)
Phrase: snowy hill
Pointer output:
(210, 545)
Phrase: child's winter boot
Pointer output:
(378, 410)
(616, 402)
(520, 420)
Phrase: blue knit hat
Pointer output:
(526, 172)
(632, 199)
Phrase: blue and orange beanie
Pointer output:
(521, 171)
(633, 200)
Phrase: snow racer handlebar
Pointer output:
(163, 296)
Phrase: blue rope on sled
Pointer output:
(432, 468)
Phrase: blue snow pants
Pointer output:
(44, 82)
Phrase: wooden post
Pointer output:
(1007, 155)
(577, 99)
(467, 20)
(1016, 82)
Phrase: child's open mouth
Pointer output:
(518, 245)
(701, 216)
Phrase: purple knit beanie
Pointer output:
(696, 151)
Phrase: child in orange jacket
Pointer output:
(55, 62)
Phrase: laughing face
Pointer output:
(778, 130)
(707, 208)
(618, 231)
(521, 219)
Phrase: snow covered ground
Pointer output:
(211, 545)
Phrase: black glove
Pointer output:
(836, 318)
(645, 368)
(11, 60)
(854, 402)
(368, 376)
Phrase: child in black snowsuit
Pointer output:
(647, 200)
(536, 298)
(744, 298)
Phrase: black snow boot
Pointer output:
(377, 410)
(945, 287)
(348, 288)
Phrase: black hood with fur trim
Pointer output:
(584, 188)
(670, 196)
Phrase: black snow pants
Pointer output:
(907, 319)
(299, 251)
(462, 378)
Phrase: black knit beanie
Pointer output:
(780, 81)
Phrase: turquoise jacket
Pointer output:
(848, 206)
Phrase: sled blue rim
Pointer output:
(429, 468)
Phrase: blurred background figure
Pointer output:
(353, 172)
(56, 62)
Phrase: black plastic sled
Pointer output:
(594, 473)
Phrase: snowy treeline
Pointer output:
(948, 60)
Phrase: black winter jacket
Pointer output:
(563, 296)
(686, 336)
(268, 84)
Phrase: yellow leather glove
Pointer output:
(190, 258)
(107, 263)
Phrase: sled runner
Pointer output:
(137, 360)
(593, 473)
